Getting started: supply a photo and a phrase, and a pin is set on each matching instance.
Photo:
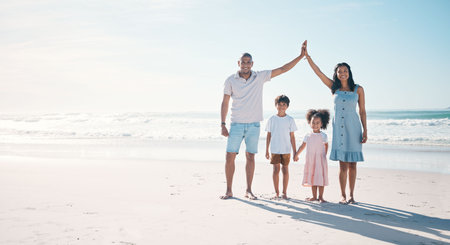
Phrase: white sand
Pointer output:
(88, 201)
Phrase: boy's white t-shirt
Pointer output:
(324, 137)
(280, 129)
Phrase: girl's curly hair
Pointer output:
(323, 114)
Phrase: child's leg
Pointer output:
(285, 170)
(321, 189)
(314, 193)
(276, 178)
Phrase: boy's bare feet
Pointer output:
(311, 199)
(228, 195)
(249, 195)
(276, 197)
(351, 201)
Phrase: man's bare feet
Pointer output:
(311, 199)
(351, 201)
(249, 195)
(343, 200)
(228, 195)
(321, 200)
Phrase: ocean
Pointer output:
(410, 140)
(402, 127)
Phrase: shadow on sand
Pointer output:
(372, 221)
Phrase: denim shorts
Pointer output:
(243, 131)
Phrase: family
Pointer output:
(245, 88)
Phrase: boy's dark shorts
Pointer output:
(280, 158)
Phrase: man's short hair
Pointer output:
(246, 55)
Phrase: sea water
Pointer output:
(401, 135)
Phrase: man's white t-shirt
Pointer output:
(280, 129)
(247, 106)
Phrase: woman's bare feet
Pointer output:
(311, 199)
(351, 201)
(343, 200)
(284, 196)
(249, 195)
(228, 195)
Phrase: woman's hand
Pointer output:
(364, 138)
(267, 155)
(304, 50)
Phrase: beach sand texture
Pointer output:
(131, 201)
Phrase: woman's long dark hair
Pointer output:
(337, 83)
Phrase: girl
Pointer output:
(315, 173)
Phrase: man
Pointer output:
(246, 89)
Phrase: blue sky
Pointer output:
(174, 55)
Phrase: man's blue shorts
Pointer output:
(240, 131)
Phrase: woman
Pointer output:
(347, 135)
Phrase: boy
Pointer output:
(280, 130)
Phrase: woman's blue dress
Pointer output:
(347, 132)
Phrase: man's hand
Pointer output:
(225, 131)
(267, 155)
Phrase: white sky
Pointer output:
(174, 55)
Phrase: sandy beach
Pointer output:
(127, 200)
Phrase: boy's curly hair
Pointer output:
(282, 98)
(323, 114)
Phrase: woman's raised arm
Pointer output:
(328, 82)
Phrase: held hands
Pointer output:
(305, 49)
(303, 53)
(296, 157)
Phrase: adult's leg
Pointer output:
(276, 178)
(351, 180)
(250, 171)
(229, 173)
(343, 168)
(285, 170)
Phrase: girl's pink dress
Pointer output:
(316, 166)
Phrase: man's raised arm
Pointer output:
(289, 65)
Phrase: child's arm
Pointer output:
(293, 144)
(326, 148)
(300, 149)
(267, 144)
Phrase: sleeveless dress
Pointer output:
(347, 131)
(315, 172)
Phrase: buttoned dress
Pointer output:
(347, 130)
